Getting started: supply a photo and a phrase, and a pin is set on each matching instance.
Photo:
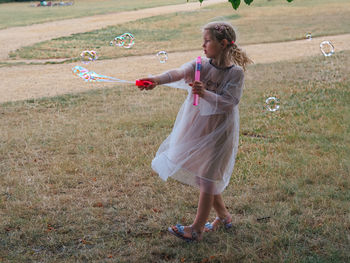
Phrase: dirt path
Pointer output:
(35, 81)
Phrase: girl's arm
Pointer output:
(171, 76)
(230, 97)
(185, 72)
(166, 77)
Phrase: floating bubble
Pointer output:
(81, 72)
(126, 40)
(119, 41)
(77, 70)
(272, 104)
(129, 40)
(308, 36)
(327, 48)
(162, 56)
(88, 56)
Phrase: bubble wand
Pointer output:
(197, 78)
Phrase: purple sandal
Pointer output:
(178, 231)
(227, 222)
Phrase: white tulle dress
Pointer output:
(202, 147)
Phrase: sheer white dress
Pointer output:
(202, 147)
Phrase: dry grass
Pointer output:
(77, 184)
(259, 24)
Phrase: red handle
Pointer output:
(143, 83)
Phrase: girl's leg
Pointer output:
(219, 206)
(205, 204)
(221, 212)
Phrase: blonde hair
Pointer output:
(223, 30)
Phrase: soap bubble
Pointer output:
(308, 36)
(162, 56)
(129, 40)
(272, 104)
(88, 56)
(77, 70)
(327, 48)
(117, 41)
(126, 40)
(91, 76)
(81, 72)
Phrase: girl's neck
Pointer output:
(221, 63)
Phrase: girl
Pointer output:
(202, 147)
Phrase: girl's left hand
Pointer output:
(197, 88)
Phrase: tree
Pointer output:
(235, 3)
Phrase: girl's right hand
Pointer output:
(148, 87)
(197, 88)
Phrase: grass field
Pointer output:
(257, 24)
(22, 14)
(76, 183)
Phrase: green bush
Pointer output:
(8, 1)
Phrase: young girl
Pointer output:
(202, 147)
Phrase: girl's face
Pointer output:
(211, 47)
